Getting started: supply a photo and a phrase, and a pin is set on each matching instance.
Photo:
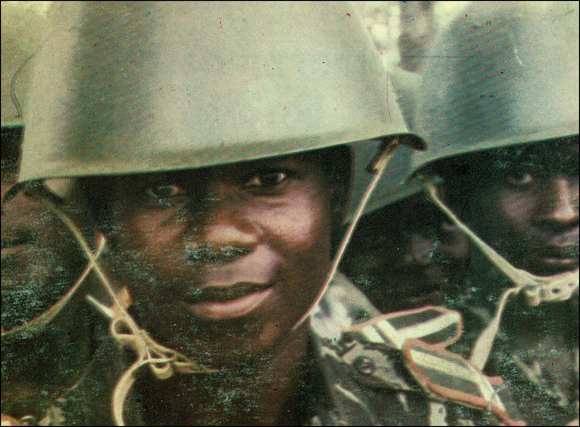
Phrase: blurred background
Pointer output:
(403, 32)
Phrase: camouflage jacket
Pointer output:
(535, 351)
(333, 393)
(362, 371)
(401, 364)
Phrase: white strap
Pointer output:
(162, 360)
(484, 343)
(437, 414)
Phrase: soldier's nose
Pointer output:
(226, 234)
(560, 202)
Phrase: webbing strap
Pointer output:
(434, 325)
(446, 376)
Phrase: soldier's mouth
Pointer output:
(560, 254)
(556, 260)
(225, 293)
(229, 301)
(563, 252)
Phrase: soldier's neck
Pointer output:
(265, 394)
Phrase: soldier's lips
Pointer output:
(236, 300)
(559, 261)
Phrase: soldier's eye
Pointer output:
(165, 191)
(266, 179)
(520, 178)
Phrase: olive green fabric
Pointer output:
(140, 87)
(502, 73)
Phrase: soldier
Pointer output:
(411, 260)
(405, 254)
(40, 258)
(499, 109)
(211, 142)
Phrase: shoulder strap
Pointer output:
(433, 325)
(446, 376)
(372, 349)
(392, 350)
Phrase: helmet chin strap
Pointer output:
(163, 361)
(376, 167)
(537, 289)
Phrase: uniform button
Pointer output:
(364, 365)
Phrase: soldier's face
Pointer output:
(406, 255)
(526, 207)
(40, 258)
(223, 260)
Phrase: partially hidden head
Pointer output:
(40, 259)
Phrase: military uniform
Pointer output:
(335, 390)
(535, 351)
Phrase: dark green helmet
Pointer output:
(502, 73)
(136, 87)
